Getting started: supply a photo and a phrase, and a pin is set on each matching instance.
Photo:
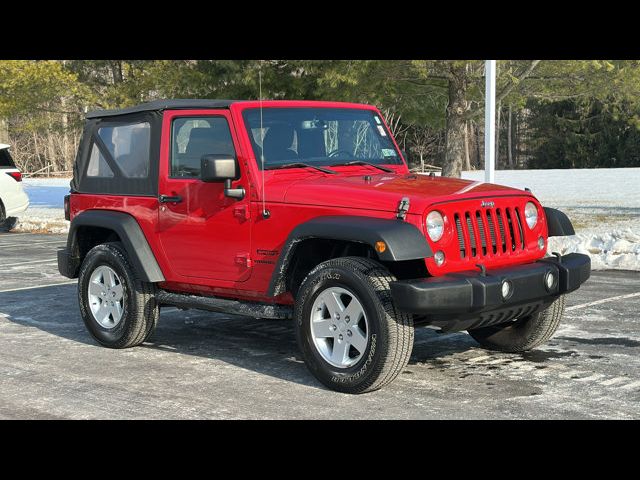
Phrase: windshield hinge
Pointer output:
(403, 208)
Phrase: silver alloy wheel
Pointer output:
(339, 327)
(106, 298)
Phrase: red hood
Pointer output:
(382, 192)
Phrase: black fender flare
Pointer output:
(127, 228)
(558, 223)
(403, 240)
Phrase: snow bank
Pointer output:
(43, 220)
(46, 206)
(619, 249)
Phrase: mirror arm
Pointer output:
(233, 192)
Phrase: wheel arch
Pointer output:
(558, 223)
(323, 238)
(93, 227)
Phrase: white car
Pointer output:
(13, 200)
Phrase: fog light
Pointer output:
(506, 289)
(541, 243)
(439, 257)
(549, 280)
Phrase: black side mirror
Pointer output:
(217, 168)
(221, 168)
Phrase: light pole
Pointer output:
(490, 121)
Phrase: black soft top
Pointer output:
(159, 105)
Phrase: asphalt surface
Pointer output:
(212, 366)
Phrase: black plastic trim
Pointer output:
(160, 105)
(225, 305)
(472, 293)
(68, 265)
(558, 223)
(127, 228)
(404, 241)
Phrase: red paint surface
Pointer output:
(209, 243)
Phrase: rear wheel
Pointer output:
(118, 309)
(522, 334)
(6, 224)
(351, 336)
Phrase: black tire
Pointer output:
(390, 331)
(523, 334)
(140, 312)
(8, 224)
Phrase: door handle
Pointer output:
(170, 199)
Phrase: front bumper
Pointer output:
(468, 295)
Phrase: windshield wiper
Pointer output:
(362, 162)
(300, 164)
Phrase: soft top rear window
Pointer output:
(5, 159)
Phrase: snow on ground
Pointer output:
(603, 204)
(46, 205)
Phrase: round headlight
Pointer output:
(531, 214)
(435, 226)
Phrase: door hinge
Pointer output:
(244, 259)
(241, 212)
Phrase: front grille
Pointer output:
(492, 231)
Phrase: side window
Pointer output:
(5, 159)
(193, 137)
(128, 145)
(98, 166)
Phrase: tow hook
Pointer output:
(483, 269)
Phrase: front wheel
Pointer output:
(524, 333)
(350, 334)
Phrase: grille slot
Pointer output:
(472, 237)
(503, 241)
(489, 232)
(483, 240)
(463, 251)
(512, 244)
(520, 229)
(492, 231)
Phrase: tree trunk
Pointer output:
(467, 160)
(4, 131)
(455, 121)
(509, 141)
(476, 139)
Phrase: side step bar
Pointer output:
(223, 305)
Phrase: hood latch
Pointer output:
(403, 208)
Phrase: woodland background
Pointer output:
(550, 113)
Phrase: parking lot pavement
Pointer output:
(204, 365)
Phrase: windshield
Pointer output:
(319, 136)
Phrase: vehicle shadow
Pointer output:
(263, 346)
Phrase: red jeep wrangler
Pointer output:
(303, 210)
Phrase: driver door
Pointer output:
(204, 234)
